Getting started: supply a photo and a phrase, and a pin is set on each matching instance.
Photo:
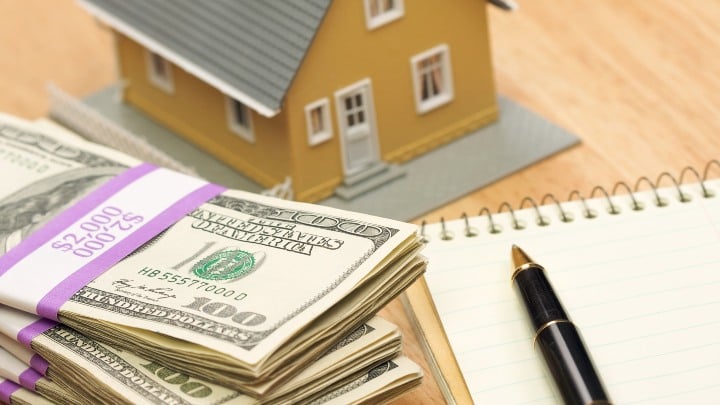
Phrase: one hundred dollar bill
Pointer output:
(377, 385)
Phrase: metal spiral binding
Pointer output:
(565, 216)
(516, 224)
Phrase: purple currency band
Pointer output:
(39, 364)
(67, 217)
(29, 378)
(50, 304)
(7, 389)
(30, 332)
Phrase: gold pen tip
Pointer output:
(519, 257)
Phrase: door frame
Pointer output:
(370, 116)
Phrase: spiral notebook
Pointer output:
(638, 272)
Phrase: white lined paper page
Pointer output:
(643, 287)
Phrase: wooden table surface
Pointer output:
(637, 81)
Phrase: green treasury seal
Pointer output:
(228, 264)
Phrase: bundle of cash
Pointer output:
(238, 290)
(14, 394)
(97, 373)
(16, 375)
(373, 385)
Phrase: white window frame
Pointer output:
(243, 131)
(447, 94)
(315, 138)
(384, 17)
(163, 82)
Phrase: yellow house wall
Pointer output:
(345, 51)
(197, 112)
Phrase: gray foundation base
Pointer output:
(517, 140)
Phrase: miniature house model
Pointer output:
(329, 93)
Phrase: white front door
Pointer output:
(356, 117)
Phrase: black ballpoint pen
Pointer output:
(557, 338)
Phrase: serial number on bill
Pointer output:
(191, 283)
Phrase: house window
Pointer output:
(432, 78)
(240, 119)
(354, 110)
(159, 71)
(381, 12)
(317, 115)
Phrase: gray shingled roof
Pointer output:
(249, 49)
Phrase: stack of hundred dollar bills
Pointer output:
(243, 299)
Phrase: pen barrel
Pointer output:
(570, 365)
(538, 297)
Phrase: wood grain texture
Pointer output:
(637, 81)
(43, 41)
